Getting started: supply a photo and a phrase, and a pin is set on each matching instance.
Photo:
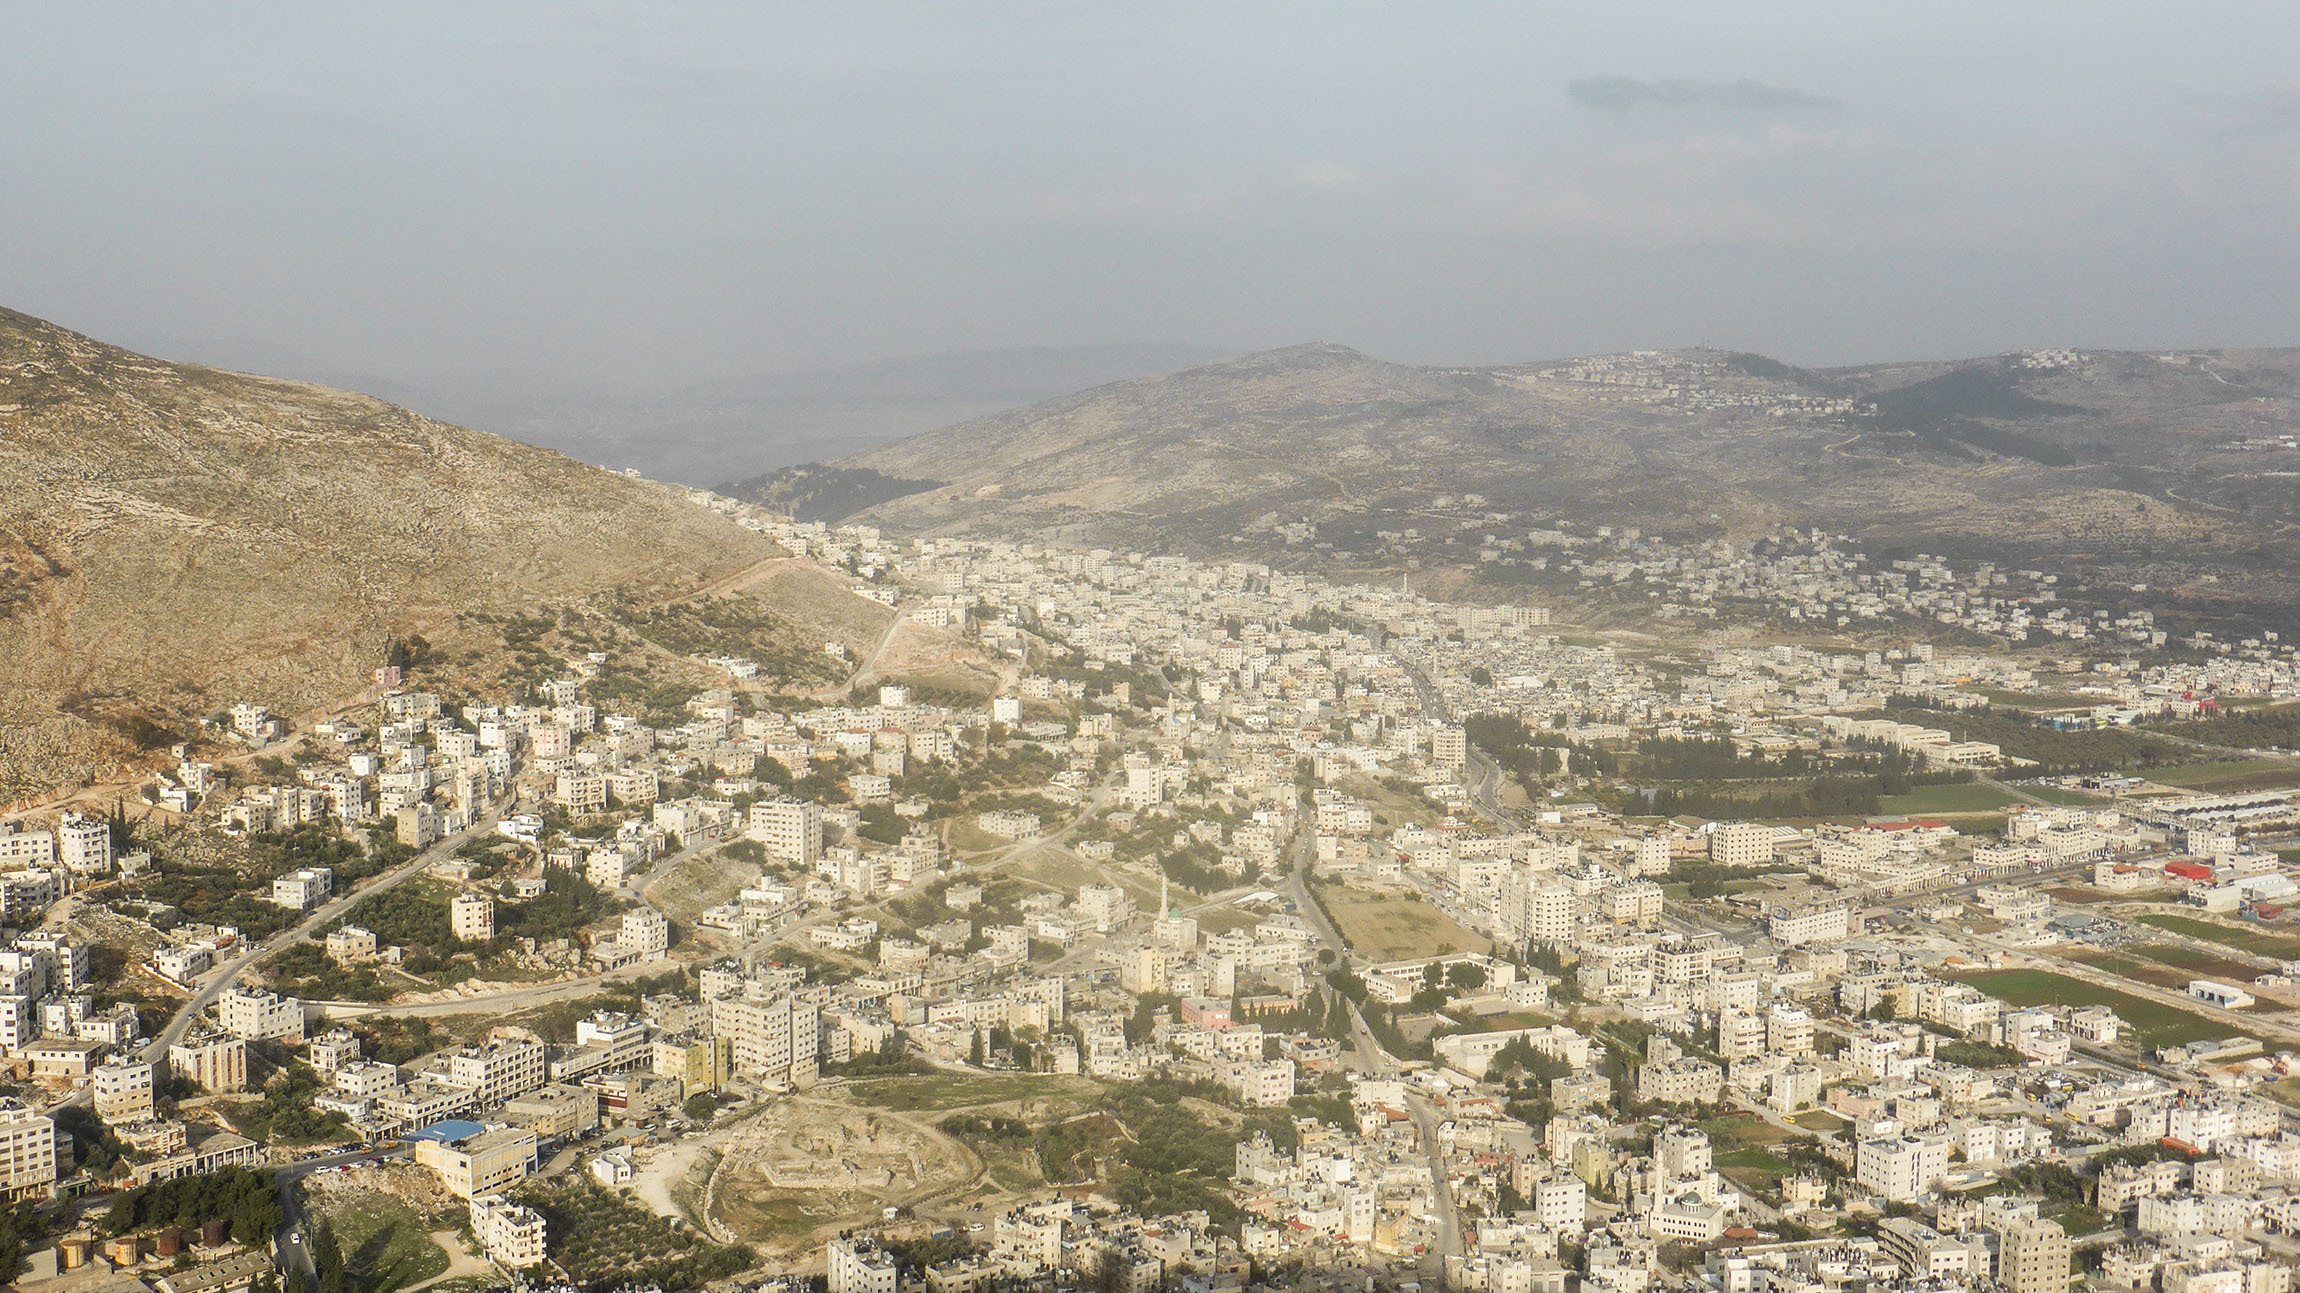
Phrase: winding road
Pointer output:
(326, 913)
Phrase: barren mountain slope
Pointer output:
(174, 539)
(2164, 465)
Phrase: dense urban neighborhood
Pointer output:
(1144, 923)
(661, 647)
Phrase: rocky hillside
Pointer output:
(174, 539)
(2169, 469)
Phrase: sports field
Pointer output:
(1392, 927)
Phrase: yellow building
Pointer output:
(489, 1160)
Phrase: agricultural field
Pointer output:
(1948, 797)
(1389, 927)
(2154, 1023)
(2166, 966)
(1741, 1129)
(1747, 1151)
(2227, 777)
(1757, 1169)
(603, 1238)
(2076, 1218)
(2259, 942)
(2194, 963)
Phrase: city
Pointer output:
(1239, 923)
(654, 646)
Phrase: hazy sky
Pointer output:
(652, 192)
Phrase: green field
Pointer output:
(1754, 1168)
(1819, 1120)
(1744, 1130)
(2166, 966)
(2076, 1218)
(2153, 1023)
(1949, 797)
(2282, 947)
(385, 1245)
(1745, 1150)
(2198, 964)
(2230, 776)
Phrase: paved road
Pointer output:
(1441, 1189)
(1372, 1058)
(332, 910)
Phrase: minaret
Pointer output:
(1164, 908)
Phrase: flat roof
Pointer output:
(447, 1131)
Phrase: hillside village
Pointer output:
(1248, 929)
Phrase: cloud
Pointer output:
(1628, 94)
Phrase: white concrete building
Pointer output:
(255, 1015)
(471, 917)
(512, 1234)
(859, 1266)
(124, 1092)
(27, 1151)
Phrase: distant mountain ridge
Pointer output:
(174, 539)
(818, 492)
(710, 433)
(2151, 464)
